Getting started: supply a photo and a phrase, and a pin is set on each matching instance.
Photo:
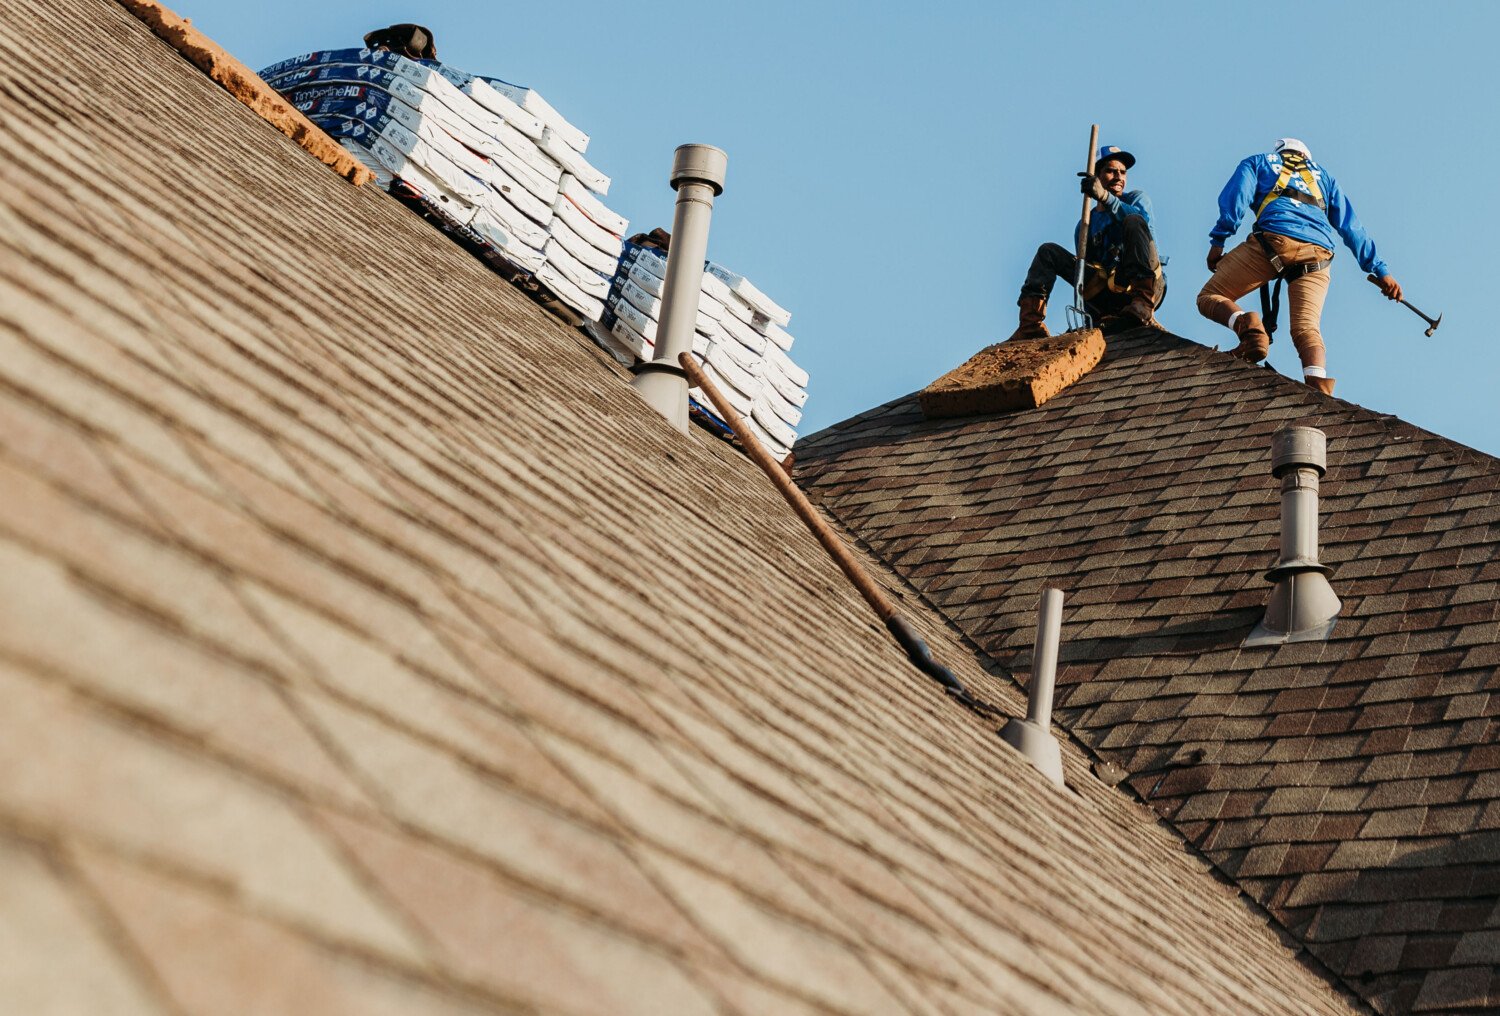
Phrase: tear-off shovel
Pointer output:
(1078, 317)
(1432, 323)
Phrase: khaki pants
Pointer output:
(1247, 267)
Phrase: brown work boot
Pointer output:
(1255, 342)
(1033, 319)
(1141, 310)
(1322, 384)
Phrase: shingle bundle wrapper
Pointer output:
(739, 338)
(491, 162)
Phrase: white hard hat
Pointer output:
(1291, 145)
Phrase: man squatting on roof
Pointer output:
(1122, 282)
(1298, 207)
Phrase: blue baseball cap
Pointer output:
(1115, 152)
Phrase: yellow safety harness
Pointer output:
(1292, 164)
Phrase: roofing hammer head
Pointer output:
(1433, 327)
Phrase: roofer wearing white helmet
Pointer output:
(1123, 282)
(1298, 211)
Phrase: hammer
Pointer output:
(1431, 322)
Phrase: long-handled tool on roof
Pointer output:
(900, 628)
(1078, 315)
(1432, 323)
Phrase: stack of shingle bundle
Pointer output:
(492, 162)
(740, 338)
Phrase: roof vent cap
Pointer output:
(1303, 606)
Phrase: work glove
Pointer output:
(1390, 287)
(1091, 187)
(1215, 255)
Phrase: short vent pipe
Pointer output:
(1032, 736)
(697, 177)
(1303, 606)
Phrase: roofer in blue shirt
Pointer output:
(1298, 209)
(1123, 282)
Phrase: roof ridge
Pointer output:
(1208, 354)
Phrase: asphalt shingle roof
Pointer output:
(368, 647)
(1351, 786)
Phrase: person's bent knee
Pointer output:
(1215, 306)
(1310, 347)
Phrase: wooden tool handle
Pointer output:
(1088, 167)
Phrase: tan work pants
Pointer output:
(1246, 267)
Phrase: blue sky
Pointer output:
(892, 167)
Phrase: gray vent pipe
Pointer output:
(1303, 606)
(698, 178)
(1032, 736)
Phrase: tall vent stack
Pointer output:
(1303, 606)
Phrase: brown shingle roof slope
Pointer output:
(369, 648)
(1352, 786)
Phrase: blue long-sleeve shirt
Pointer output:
(1256, 177)
(1104, 221)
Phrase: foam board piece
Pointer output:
(470, 124)
(776, 355)
(775, 447)
(632, 316)
(499, 236)
(548, 275)
(454, 208)
(780, 336)
(480, 91)
(573, 162)
(737, 400)
(751, 295)
(778, 405)
(600, 261)
(1019, 374)
(742, 357)
(648, 258)
(714, 287)
(587, 229)
(740, 379)
(377, 67)
(511, 219)
(606, 340)
(585, 278)
(638, 345)
(736, 305)
(773, 424)
(529, 100)
(651, 306)
(743, 333)
(641, 277)
(592, 207)
(389, 117)
(784, 387)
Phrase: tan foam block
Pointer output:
(247, 86)
(1021, 374)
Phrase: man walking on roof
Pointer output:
(1298, 210)
(1122, 282)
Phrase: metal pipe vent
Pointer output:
(697, 177)
(1303, 606)
(1032, 736)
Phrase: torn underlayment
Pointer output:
(1020, 374)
